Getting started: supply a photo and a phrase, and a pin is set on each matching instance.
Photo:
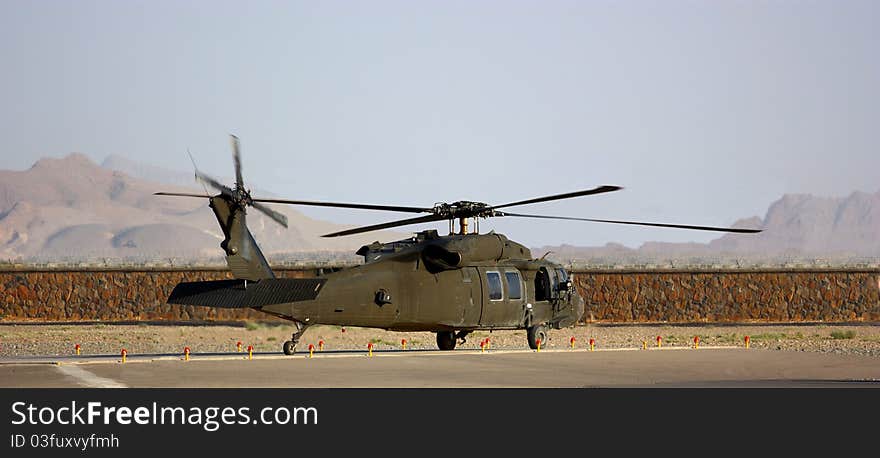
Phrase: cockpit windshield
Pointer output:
(563, 275)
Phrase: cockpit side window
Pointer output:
(543, 284)
(554, 282)
(563, 275)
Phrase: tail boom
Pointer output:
(241, 293)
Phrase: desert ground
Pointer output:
(26, 339)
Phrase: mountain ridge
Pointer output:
(73, 208)
(795, 226)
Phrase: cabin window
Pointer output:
(514, 286)
(495, 288)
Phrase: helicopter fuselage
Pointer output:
(459, 282)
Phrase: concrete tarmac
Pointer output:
(672, 367)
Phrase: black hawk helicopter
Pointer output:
(448, 284)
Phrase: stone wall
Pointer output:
(112, 295)
(731, 296)
(611, 296)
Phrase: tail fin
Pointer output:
(243, 256)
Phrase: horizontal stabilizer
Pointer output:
(244, 294)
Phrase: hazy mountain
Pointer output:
(72, 208)
(158, 174)
(813, 225)
(149, 172)
(795, 226)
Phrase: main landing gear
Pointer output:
(446, 340)
(536, 333)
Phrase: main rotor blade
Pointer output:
(236, 159)
(637, 223)
(214, 184)
(391, 208)
(376, 227)
(180, 194)
(278, 217)
(588, 192)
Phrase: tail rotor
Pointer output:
(239, 196)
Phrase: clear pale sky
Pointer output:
(705, 111)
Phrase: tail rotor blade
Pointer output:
(236, 158)
(277, 217)
(214, 184)
(196, 169)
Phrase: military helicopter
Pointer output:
(449, 284)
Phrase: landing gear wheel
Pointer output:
(290, 346)
(446, 340)
(538, 331)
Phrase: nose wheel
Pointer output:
(289, 347)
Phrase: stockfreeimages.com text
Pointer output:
(210, 418)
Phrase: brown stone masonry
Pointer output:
(731, 296)
(611, 296)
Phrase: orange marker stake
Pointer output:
(311, 350)
(124, 354)
(539, 344)
(238, 345)
(592, 344)
(483, 346)
(403, 343)
(250, 352)
(76, 347)
(572, 342)
(696, 341)
(320, 345)
(487, 343)
(644, 345)
(370, 349)
(747, 341)
(659, 340)
(186, 353)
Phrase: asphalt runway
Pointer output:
(680, 367)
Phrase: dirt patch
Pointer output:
(60, 339)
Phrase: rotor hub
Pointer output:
(241, 196)
(463, 209)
